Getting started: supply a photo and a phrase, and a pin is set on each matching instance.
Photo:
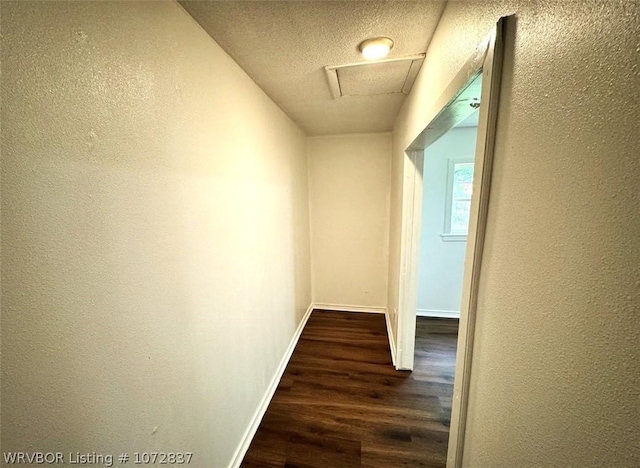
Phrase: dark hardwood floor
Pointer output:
(340, 403)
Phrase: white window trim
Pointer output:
(454, 237)
(447, 235)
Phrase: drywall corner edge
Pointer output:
(241, 451)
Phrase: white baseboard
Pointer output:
(438, 313)
(349, 308)
(392, 341)
(241, 451)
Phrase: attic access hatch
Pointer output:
(386, 76)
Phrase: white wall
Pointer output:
(441, 263)
(555, 378)
(154, 233)
(349, 200)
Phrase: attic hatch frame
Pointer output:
(333, 80)
(487, 63)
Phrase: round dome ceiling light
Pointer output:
(375, 48)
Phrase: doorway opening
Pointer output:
(447, 187)
(475, 87)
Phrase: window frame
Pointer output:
(447, 235)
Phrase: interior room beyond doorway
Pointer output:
(446, 201)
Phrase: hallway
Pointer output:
(182, 186)
(341, 403)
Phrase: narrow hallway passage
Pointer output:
(341, 403)
(182, 183)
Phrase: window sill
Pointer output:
(454, 237)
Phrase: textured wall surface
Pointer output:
(441, 263)
(555, 377)
(155, 250)
(349, 203)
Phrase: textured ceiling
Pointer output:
(284, 47)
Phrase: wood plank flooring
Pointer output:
(340, 403)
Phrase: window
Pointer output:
(458, 202)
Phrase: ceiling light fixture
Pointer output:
(375, 48)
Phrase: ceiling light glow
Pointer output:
(376, 48)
